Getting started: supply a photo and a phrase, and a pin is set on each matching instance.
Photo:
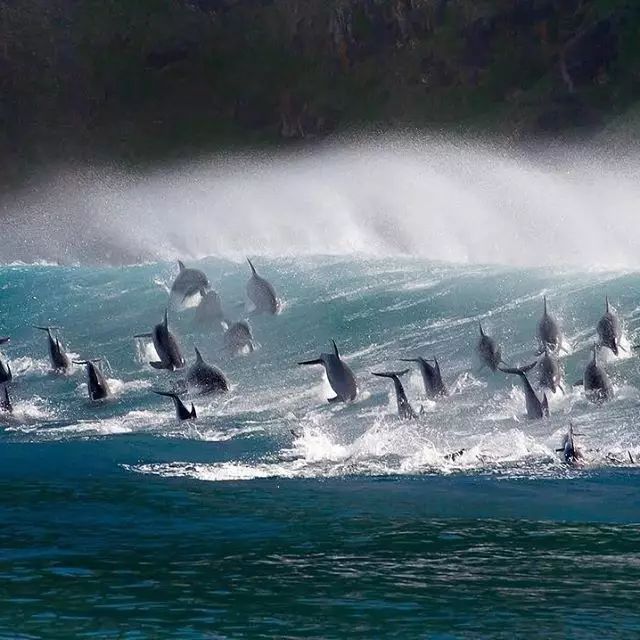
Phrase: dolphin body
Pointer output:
(204, 378)
(536, 408)
(166, 346)
(209, 311)
(549, 333)
(340, 376)
(5, 400)
(262, 293)
(431, 377)
(405, 411)
(60, 361)
(597, 385)
(570, 452)
(238, 336)
(609, 329)
(188, 283)
(96, 382)
(550, 374)
(182, 413)
(5, 368)
(489, 351)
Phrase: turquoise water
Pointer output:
(119, 522)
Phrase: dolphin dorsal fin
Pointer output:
(181, 266)
(595, 354)
(253, 269)
(481, 329)
(166, 318)
(544, 299)
(198, 355)
(606, 303)
(335, 349)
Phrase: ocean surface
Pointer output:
(278, 515)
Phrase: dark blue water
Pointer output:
(119, 522)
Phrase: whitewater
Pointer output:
(275, 509)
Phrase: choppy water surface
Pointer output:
(118, 522)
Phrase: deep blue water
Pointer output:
(118, 522)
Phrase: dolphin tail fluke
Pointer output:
(409, 359)
(166, 394)
(143, 335)
(520, 371)
(253, 269)
(316, 361)
(390, 374)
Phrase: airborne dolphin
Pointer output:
(431, 377)
(550, 373)
(204, 378)
(549, 333)
(339, 374)
(262, 293)
(96, 382)
(609, 329)
(569, 450)
(188, 283)
(182, 413)
(5, 368)
(238, 336)
(209, 311)
(536, 409)
(60, 361)
(489, 351)
(597, 385)
(166, 346)
(405, 411)
(5, 400)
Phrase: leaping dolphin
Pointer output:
(262, 293)
(60, 361)
(549, 332)
(405, 411)
(96, 382)
(5, 400)
(609, 329)
(166, 346)
(5, 368)
(209, 311)
(188, 283)
(550, 373)
(431, 376)
(204, 378)
(340, 376)
(571, 453)
(489, 351)
(597, 385)
(238, 336)
(182, 413)
(536, 409)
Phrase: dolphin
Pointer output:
(404, 407)
(97, 383)
(536, 409)
(597, 384)
(166, 346)
(431, 377)
(209, 310)
(550, 374)
(182, 413)
(60, 361)
(571, 453)
(609, 329)
(5, 400)
(489, 351)
(5, 368)
(204, 378)
(340, 376)
(188, 283)
(238, 336)
(549, 333)
(262, 293)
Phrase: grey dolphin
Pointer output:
(96, 382)
(5, 368)
(536, 409)
(60, 361)
(609, 329)
(549, 333)
(182, 413)
(569, 450)
(489, 351)
(166, 346)
(550, 373)
(262, 293)
(204, 378)
(5, 400)
(597, 384)
(405, 411)
(188, 283)
(209, 311)
(238, 336)
(340, 376)
(431, 377)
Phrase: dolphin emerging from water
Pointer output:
(571, 453)
(166, 346)
(262, 293)
(188, 283)
(209, 312)
(549, 333)
(431, 376)
(609, 329)
(536, 408)
(204, 378)
(550, 373)
(182, 413)
(96, 382)
(340, 376)
(405, 411)
(237, 336)
(60, 361)
(489, 351)
(5, 368)
(597, 385)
